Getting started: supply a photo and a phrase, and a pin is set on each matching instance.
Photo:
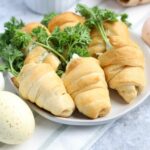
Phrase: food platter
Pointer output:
(119, 107)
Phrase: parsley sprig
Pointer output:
(47, 18)
(62, 43)
(95, 17)
(9, 51)
(72, 40)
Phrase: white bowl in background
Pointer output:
(47, 6)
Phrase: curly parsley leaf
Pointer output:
(124, 18)
(10, 28)
(40, 34)
(21, 39)
(71, 40)
(12, 59)
(48, 18)
(95, 17)
(12, 56)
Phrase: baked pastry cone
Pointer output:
(37, 54)
(113, 30)
(40, 55)
(85, 82)
(63, 20)
(30, 26)
(128, 3)
(97, 45)
(124, 64)
(39, 84)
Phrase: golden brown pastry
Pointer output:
(39, 84)
(85, 82)
(128, 3)
(97, 45)
(113, 31)
(40, 55)
(30, 26)
(63, 20)
(124, 63)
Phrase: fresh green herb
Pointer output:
(59, 72)
(3, 67)
(42, 40)
(79, 51)
(40, 34)
(72, 40)
(20, 39)
(10, 28)
(95, 17)
(48, 18)
(64, 43)
(124, 18)
(12, 57)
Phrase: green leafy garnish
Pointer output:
(124, 18)
(40, 34)
(20, 39)
(64, 43)
(95, 17)
(60, 70)
(48, 18)
(41, 39)
(10, 28)
(12, 56)
(72, 40)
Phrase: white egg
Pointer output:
(16, 119)
(146, 31)
(2, 82)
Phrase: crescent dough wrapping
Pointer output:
(37, 54)
(124, 64)
(30, 26)
(63, 20)
(39, 84)
(40, 55)
(85, 82)
(97, 44)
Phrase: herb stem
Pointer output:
(13, 71)
(101, 29)
(95, 17)
(53, 51)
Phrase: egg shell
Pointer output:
(16, 119)
(146, 31)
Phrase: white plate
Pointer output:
(119, 107)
